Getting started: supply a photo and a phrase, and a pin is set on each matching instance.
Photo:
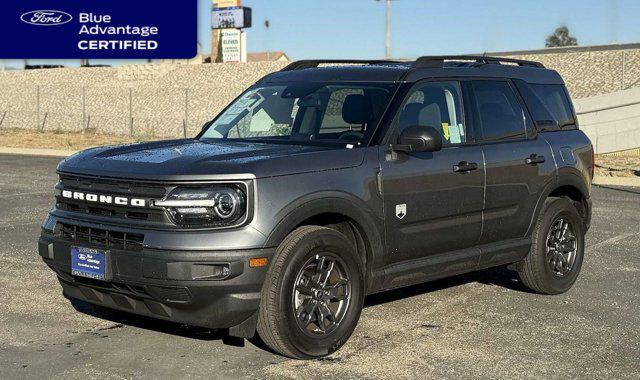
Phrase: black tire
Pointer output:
(536, 271)
(278, 325)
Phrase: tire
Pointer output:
(543, 270)
(292, 295)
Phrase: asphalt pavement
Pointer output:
(481, 325)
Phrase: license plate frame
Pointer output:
(90, 263)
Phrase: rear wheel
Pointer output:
(313, 294)
(557, 249)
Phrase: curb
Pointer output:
(37, 152)
(616, 181)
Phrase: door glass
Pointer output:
(437, 105)
(501, 115)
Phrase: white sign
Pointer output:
(234, 47)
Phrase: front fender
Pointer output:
(370, 226)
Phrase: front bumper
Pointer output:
(180, 286)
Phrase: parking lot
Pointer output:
(482, 325)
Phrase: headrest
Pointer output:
(431, 116)
(357, 109)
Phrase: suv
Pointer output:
(323, 183)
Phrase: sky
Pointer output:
(356, 28)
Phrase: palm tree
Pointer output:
(561, 37)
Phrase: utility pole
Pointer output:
(387, 45)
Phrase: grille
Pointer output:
(112, 188)
(100, 237)
(111, 211)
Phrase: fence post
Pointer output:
(130, 111)
(44, 121)
(4, 114)
(623, 67)
(185, 125)
(84, 109)
(38, 108)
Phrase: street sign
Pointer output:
(235, 17)
(234, 45)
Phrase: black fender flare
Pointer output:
(567, 176)
(371, 228)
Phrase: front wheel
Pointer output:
(553, 264)
(313, 294)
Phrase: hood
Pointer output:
(176, 160)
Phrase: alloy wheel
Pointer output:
(561, 247)
(321, 294)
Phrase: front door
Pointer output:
(433, 201)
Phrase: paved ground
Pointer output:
(483, 325)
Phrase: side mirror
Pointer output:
(419, 138)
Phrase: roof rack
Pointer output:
(311, 63)
(433, 62)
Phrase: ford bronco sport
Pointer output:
(325, 182)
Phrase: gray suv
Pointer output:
(323, 183)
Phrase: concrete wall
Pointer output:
(165, 99)
(145, 100)
(612, 121)
(590, 71)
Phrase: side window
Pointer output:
(555, 99)
(437, 105)
(501, 115)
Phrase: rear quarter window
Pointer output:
(548, 102)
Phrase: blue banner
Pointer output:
(111, 29)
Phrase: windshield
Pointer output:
(304, 113)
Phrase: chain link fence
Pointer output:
(141, 111)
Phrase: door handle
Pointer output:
(534, 159)
(464, 166)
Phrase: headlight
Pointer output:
(211, 206)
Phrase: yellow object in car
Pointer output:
(445, 130)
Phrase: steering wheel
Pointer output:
(354, 136)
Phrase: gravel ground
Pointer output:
(622, 166)
(61, 140)
(482, 325)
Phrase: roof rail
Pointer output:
(433, 62)
(312, 63)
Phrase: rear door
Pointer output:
(519, 162)
(433, 201)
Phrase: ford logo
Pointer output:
(46, 17)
